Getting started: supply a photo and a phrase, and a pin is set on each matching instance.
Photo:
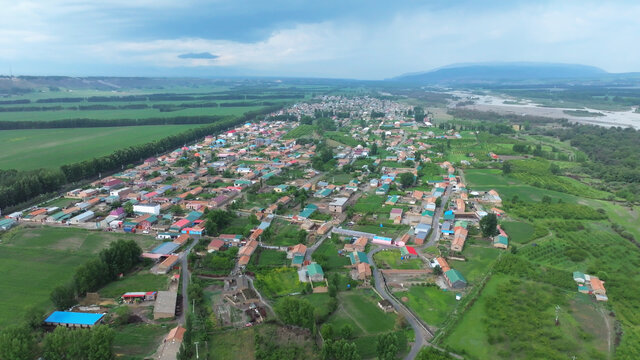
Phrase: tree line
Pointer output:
(91, 123)
(17, 187)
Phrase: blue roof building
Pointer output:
(73, 319)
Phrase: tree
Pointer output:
(327, 332)
(506, 168)
(33, 318)
(16, 342)
(63, 296)
(295, 311)
(555, 169)
(406, 179)
(374, 149)
(488, 225)
(128, 208)
(101, 344)
(339, 350)
(437, 270)
(347, 331)
(388, 346)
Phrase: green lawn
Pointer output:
(34, 261)
(359, 308)
(270, 257)
(432, 304)
(519, 232)
(278, 282)
(229, 344)
(50, 148)
(284, 233)
(327, 255)
(140, 281)
(390, 259)
(482, 335)
(137, 341)
(478, 261)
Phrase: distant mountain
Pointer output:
(503, 72)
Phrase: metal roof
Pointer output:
(76, 318)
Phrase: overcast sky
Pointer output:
(365, 39)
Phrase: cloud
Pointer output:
(342, 44)
(203, 55)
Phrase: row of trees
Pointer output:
(120, 257)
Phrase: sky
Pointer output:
(355, 39)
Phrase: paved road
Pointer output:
(421, 333)
(435, 224)
(186, 276)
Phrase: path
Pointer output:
(610, 334)
(262, 300)
(435, 224)
(186, 277)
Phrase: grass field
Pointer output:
(270, 257)
(519, 232)
(320, 303)
(50, 148)
(391, 259)
(120, 114)
(478, 261)
(327, 255)
(430, 303)
(278, 282)
(580, 332)
(507, 187)
(36, 260)
(227, 345)
(140, 281)
(359, 309)
(137, 341)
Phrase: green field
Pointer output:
(390, 259)
(271, 257)
(519, 232)
(36, 260)
(327, 256)
(479, 260)
(432, 304)
(140, 281)
(137, 341)
(120, 114)
(507, 187)
(278, 282)
(50, 148)
(510, 317)
(227, 345)
(359, 309)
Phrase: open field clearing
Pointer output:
(137, 341)
(432, 304)
(36, 260)
(392, 259)
(49, 148)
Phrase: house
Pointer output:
(362, 271)
(281, 188)
(315, 273)
(455, 279)
(358, 245)
(165, 306)
(580, 277)
(73, 319)
(385, 305)
(442, 263)
(392, 200)
(297, 261)
(357, 257)
(141, 295)
(297, 250)
(169, 263)
(395, 213)
(382, 190)
(182, 239)
(597, 286)
(408, 252)
(215, 245)
(460, 206)
(338, 205)
(500, 242)
(459, 238)
(153, 209)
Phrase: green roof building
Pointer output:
(315, 272)
(357, 257)
(455, 279)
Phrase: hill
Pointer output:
(503, 72)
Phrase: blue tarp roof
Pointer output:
(65, 317)
(165, 248)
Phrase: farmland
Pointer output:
(431, 303)
(137, 341)
(36, 260)
(391, 259)
(51, 148)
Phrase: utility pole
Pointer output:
(557, 315)
(197, 354)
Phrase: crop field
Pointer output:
(391, 259)
(479, 260)
(36, 260)
(301, 131)
(137, 341)
(227, 345)
(50, 148)
(432, 304)
(486, 331)
(270, 257)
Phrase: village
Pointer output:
(258, 214)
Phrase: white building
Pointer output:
(147, 209)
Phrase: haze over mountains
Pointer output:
(510, 72)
